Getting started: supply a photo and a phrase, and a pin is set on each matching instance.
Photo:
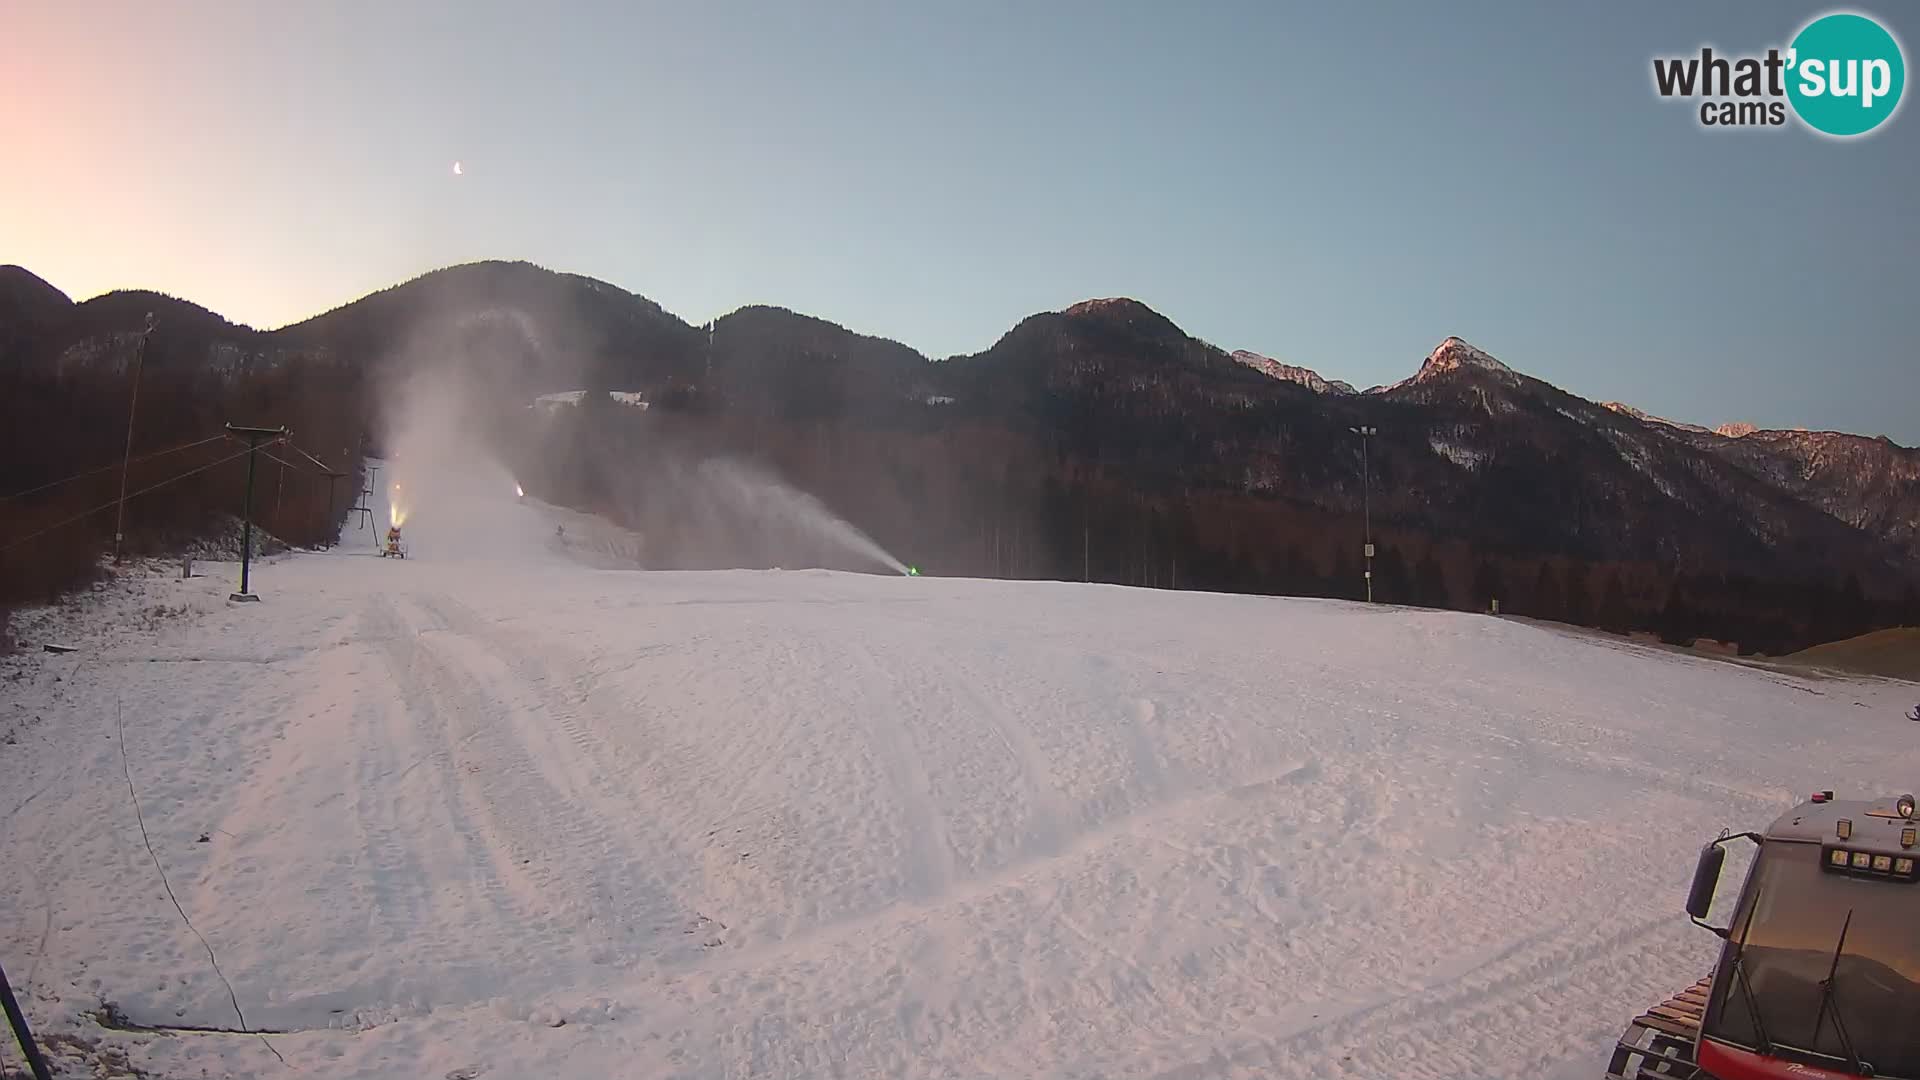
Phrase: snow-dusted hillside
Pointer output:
(1292, 373)
(490, 812)
(1645, 417)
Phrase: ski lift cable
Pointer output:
(132, 494)
(115, 465)
(283, 461)
(318, 464)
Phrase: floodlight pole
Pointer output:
(1366, 502)
(254, 436)
(126, 457)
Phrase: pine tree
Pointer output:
(1392, 584)
(1487, 585)
(1430, 583)
(1579, 606)
(1852, 616)
(1677, 620)
(1346, 582)
(1615, 615)
(1547, 601)
(1823, 616)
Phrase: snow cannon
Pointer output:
(394, 548)
(1817, 976)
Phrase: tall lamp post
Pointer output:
(1366, 501)
(126, 457)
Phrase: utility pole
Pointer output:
(126, 458)
(254, 436)
(21, 1032)
(1366, 501)
(326, 529)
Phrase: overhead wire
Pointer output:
(135, 494)
(115, 465)
(283, 461)
(321, 465)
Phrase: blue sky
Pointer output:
(1340, 188)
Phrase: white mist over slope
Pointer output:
(730, 499)
(452, 497)
(490, 815)
(455, 500)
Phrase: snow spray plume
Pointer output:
(458, 401)
(768, 503)
(442, 485)
(453, 398)
(446, 486)
(496, 355)
(717, 513)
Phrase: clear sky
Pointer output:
(1340, 186)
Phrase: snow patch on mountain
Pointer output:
(1645, 417)
(1122, 311)
(1737, 429)
(1467, 457)
(1099, 305)
(1454, 354)
(1641, 459)
(550, 402)
(1306, 377)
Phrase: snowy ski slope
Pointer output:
(491, 812)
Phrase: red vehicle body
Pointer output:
(1820, 973)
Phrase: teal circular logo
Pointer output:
(1845, 74)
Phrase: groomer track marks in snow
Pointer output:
(795, 824)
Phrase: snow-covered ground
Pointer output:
(492, 812)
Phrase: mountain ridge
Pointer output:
(1451, 354)
(1105, 405)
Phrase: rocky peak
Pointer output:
(1454, 354)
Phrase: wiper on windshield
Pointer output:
(1743, 982)
(1830, 1003)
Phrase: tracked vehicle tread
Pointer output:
(1658, 1044)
